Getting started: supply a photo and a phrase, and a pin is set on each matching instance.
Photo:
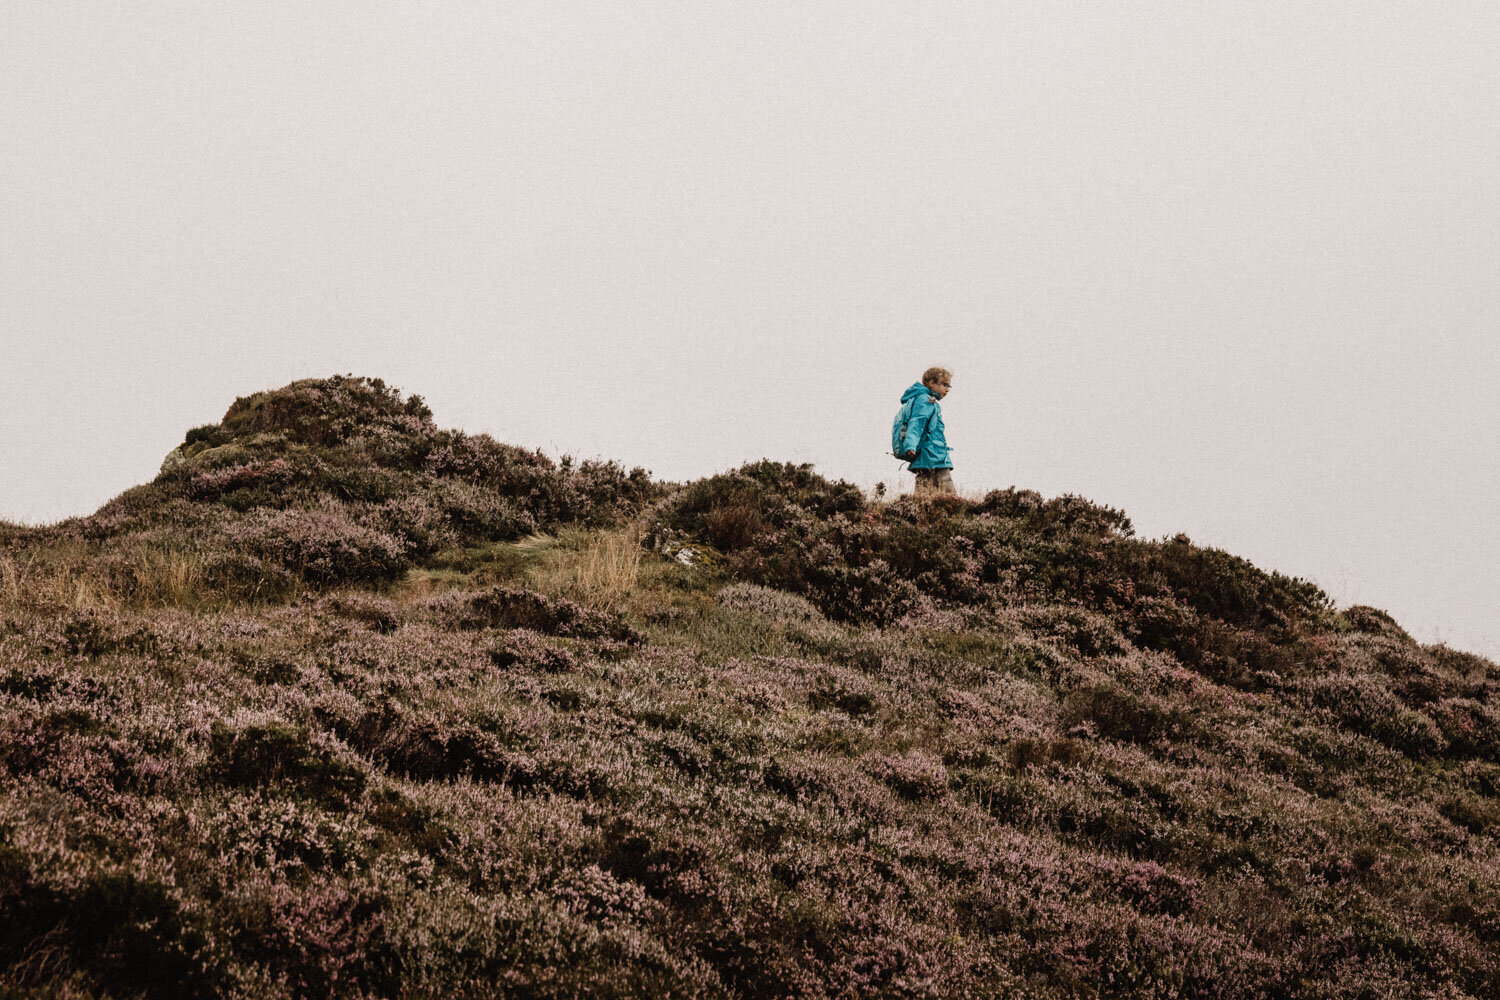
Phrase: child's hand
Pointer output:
(910, 455)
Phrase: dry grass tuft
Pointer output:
(59, 585)
(610, 568)
(158, 577)
(600, 569)
(10, 581)
(150, 578)
(82, 590)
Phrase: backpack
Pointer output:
(900, 425)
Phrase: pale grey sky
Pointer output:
(1231, 267)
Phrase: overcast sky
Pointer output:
(1232, 267)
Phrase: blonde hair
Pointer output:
(932, 375)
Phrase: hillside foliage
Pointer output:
(345, 705)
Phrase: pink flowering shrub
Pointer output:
(419, 745)
(478, 457)
(1033, 757)
(789, 609)
(1364, 619)
(913, 775)
(242, 576)
(473, 513)
(136, 508)
(417, 519)
(246, 483)
(1089, 633)
(320, 412)
(277, 477)
(890, 821)
(108, 926)
(1471, 728)
(1119, 712)
(1365, 704)
(378, 613)
(255, 752)
(515, 607)
(592, 493)
(323, 545)
(525, 648)
(786, 528)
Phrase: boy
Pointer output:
(924, 444)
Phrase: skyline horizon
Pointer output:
(1343, 592)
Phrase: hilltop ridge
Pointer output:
(344, 704)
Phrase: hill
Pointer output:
(342, 704)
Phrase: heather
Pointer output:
(343, 705)
(322, 482)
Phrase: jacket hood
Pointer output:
(917, 389)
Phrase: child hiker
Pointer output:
(917, 435)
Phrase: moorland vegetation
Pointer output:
(345, 705)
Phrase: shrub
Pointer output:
(253, 752)
(1361, 702)
(914, 775)
(738, 509)
(514, 607)
(1463, 665)
(344, 478)
(1018, 790)
(137, 507)
(209, 434)
(257, 480)
(1061, 517)
(240, 576)
(480, 458)
(1471, 728)
(1150, 887)
(597, 894)
(426, 747)
(778, 605)
(1413, 733)
(376, 613)
(1372, 621)
(325, 411)
(593, 493)
(1164, 623)
(1122, 714)
(1471, 812)
(121, 933)
(1390, 656)
(604, 492)
(1216, 584)
(873, 593)
(783, 527)
(353, 444)
(843, 689)
(479, 514)
(324, 545)
(1089, 633)
(417, 519)
(92, 632)
(526, 648)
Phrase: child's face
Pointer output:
(939, 388)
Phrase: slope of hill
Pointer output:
(342, 704)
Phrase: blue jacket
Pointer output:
(924, 430)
